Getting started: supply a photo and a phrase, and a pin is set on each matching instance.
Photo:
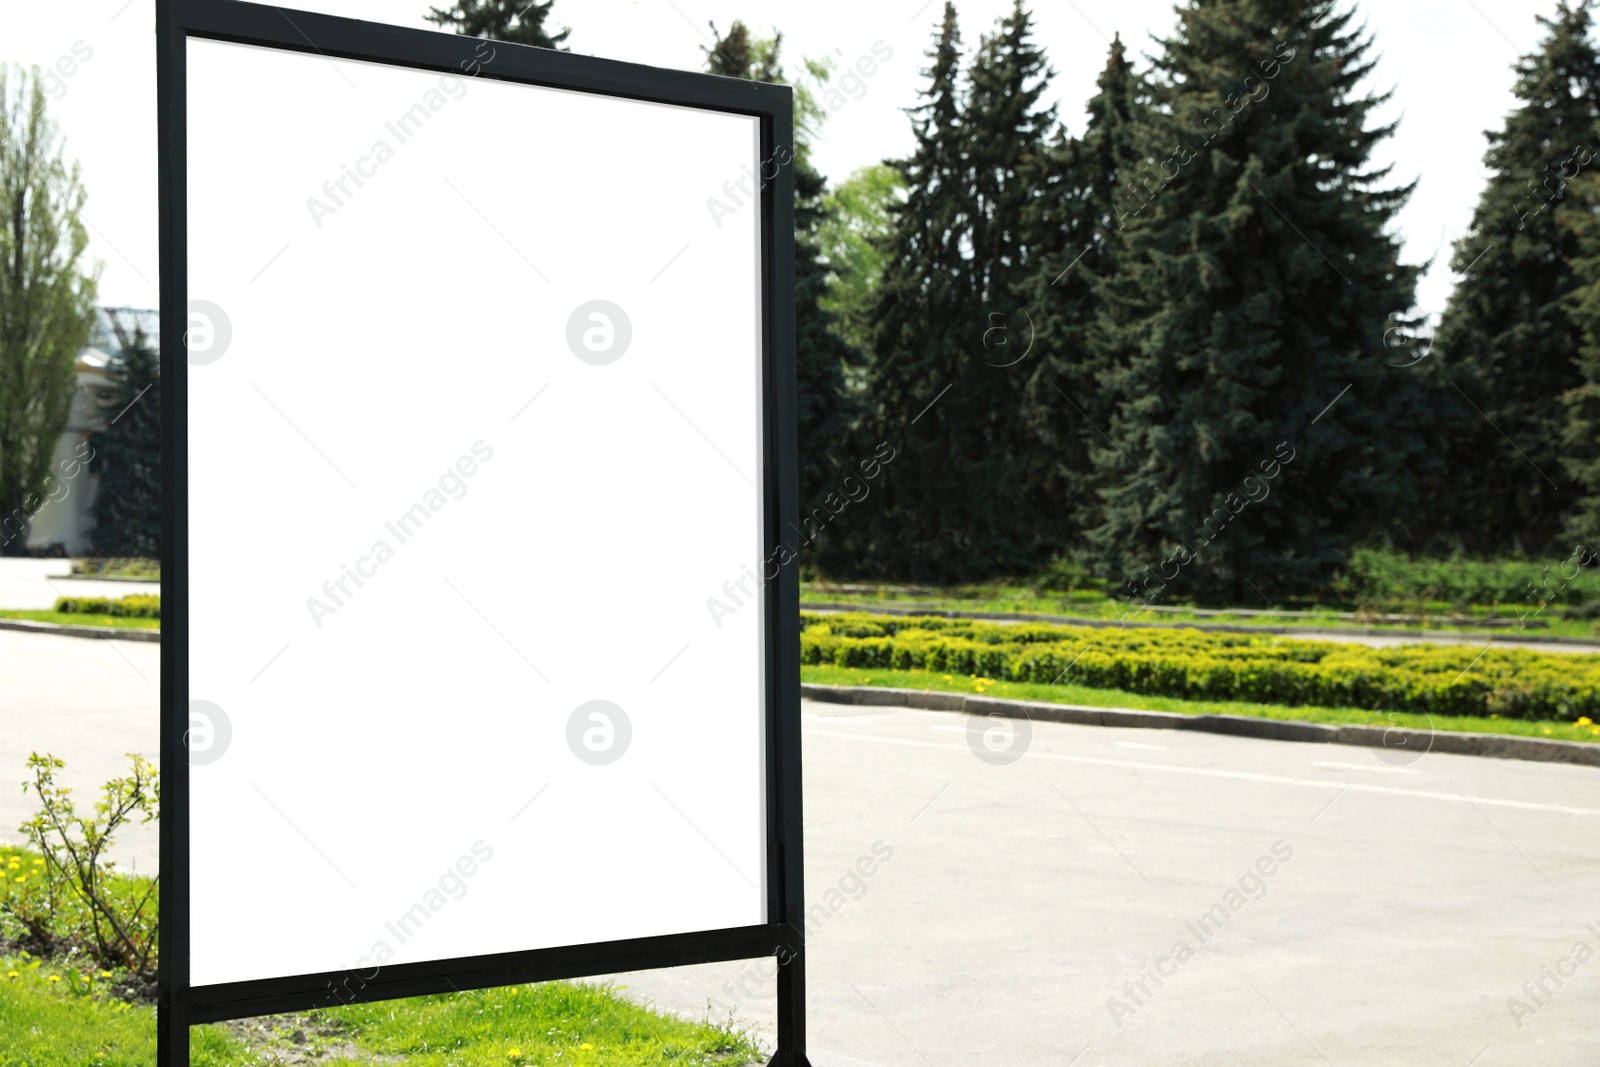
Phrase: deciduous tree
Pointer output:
(47, 294)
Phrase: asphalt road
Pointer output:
(1019, 899)
(1021, 913)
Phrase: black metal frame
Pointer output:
(182, 1005)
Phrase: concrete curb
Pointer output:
(107, 632)
(1443, 636)
(1498, 746)
(100, 578)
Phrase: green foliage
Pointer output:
(1380, 577)
(852, 237)
(119, 568)
(55, 1016)
(516, 21)
(1067, 693)
(540, 1024)
(1228, 330)
(68, 897)
(56, 618)
(71, 1016)
(1506, 346)
(138, 606)
(1196, 665)
(127, 507)
(47, 296)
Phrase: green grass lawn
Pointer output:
(1092, 605)
(1116, 698)
(64, 618)
(54, 1017)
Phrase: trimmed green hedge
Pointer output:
(1197, 665)
(142, 606)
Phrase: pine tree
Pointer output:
(952, 339)
(1257, 433)
(1074, 221)
(821, 356)
(1505, 347)
(516, 21)
(127, 504)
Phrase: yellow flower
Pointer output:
(55, 978)
(20, 878)
(514, 1052)
(38, 863)
(586, 1045)
(105, 974)
(12, 974)
(1585, 721)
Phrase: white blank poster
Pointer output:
(474, 516)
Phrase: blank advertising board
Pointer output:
(478, 407)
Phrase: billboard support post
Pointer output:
(193, 987)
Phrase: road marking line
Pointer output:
(1244, 776)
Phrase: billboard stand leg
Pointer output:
(791, 1050)
(172, 1036)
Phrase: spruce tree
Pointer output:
(127, 504)
(516, 21)
(1257, 433)
(740, 54)
(952, 339)
(1505, 347)
(1074, 221)
(1581, 404)
(821, 356)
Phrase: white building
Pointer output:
(62, 526)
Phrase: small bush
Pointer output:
(140, 606)
(61, 896)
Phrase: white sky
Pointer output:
(1449, 62)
